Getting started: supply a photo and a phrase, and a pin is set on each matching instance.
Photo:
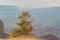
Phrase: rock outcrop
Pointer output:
(1, 26)
(2, 33)
(49, 37)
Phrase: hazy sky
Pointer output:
(31, 3)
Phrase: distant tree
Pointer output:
(24, 25)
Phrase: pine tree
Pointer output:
(24, 25)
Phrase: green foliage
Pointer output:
(24, 26)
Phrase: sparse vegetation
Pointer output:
(24, 25)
